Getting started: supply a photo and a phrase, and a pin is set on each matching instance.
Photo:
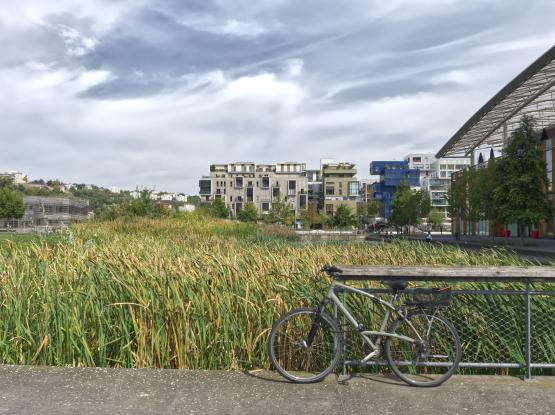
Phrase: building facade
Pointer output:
(16, 177)
(392, 175)
(314, 178)
(45, 213)
(340, 186)
(261, 184)
(438, 182)
(530, 93)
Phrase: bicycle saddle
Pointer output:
(331, 269)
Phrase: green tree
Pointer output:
(435, 219)
(402, 211)
(11, 203)
(343, 217)
(194, 200)
(280, 212)
(458, 198)
(218, 208)
(367, 210)
(423, 205)
(248, 213)
(520, 194)
(310, 216)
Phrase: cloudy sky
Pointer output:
(149, 93)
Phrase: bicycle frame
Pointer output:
(381, 333)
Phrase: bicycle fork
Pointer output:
(315, 324)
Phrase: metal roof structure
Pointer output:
(530, 93)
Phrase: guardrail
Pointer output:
(505, 316)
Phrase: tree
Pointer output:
(343, 217)
(435, 218)
(367, 210)
(11, 203)
(423, 205)
(520, 196)
(218, 208)
(280, 212)
(248, 213)
(194, 200)
(409, 207)
(310, 216)
(401, 207)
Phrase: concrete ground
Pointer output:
(48, 390)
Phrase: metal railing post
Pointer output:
(528, 375)
(344, 326)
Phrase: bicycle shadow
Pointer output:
(266, 375)
(270, 376)
(373, 377)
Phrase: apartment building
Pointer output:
(424, 162)
(366, 191)
(340, 186)
(392, 175)
(315, 187)
(16, 177)
(261, 184)
(438, 182)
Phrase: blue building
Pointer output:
(392, 175)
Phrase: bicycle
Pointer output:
(421, 346)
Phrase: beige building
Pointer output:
(238, 183)
(340, 186)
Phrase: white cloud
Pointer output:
(248, 29)
(294, 67)
(76, 44)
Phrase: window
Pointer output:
(238, 206)
(238, 182)
(275, 192)
(330, 190)
(265, 207)
(249, 183)
(302, 201)
(353, 188)
(329, 209)
(249, 194)
(265, 182)
(205, 187)
(291, 187)
(417, 159)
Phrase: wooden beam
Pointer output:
(446, 273)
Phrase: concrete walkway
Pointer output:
(46, 390)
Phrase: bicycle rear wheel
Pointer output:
(288, 349)
(429, 362)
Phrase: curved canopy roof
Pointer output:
(530, 93)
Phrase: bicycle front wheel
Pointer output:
(432, 358)
(290, 354)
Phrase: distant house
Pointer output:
(15, 176)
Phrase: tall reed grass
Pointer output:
(187, 292)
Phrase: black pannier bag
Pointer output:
(431, 297)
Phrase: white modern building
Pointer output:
(16, 177)
(438, 182)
